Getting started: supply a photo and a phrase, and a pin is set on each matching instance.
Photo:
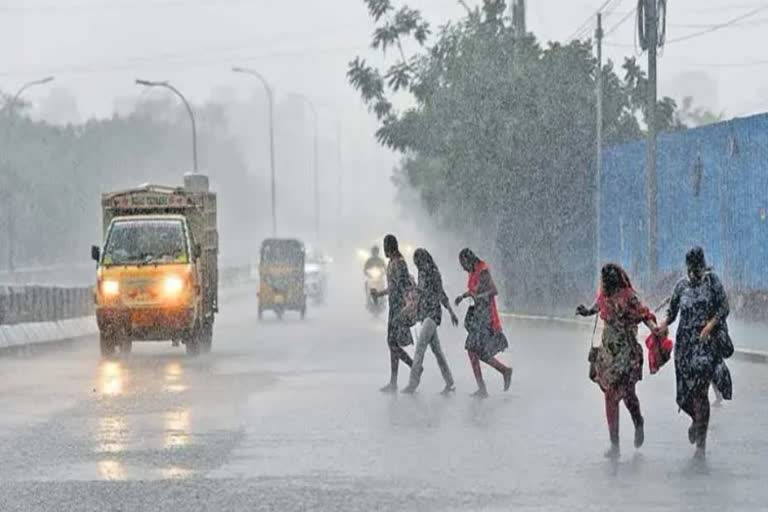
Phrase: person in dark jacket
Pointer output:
(431, 299)
(485, 337)
(700, 301)
(398, 332)
(619, 361)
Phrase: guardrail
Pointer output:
(30, 304)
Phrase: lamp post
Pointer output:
(270, 99)
(148, 83)
(315, 169)
(11, 213)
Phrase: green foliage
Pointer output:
(503, 127)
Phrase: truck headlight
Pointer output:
(173, 285)
(110, 287)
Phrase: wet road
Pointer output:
(287, 416)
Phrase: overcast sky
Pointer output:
(97, 47)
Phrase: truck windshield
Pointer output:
(136, 242)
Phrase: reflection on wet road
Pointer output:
(287, 416)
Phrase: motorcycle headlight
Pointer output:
(110, 287)
(173, 285)
(374, 273)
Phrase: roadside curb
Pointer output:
(743, 354)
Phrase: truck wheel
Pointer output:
(192, 342)
(107, 346)
(206, 338)
(193, 346)
(125, 347)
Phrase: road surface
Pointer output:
(287, 416)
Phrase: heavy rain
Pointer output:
(383, 255)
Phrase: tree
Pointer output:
(695, 116)
(501, 138)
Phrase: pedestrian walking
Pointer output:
(431, 299)
(398, 331)
(700, 302)
(619, 358)
(485, 337)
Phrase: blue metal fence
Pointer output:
(712, 191)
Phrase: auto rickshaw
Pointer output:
(281, 277)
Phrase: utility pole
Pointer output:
(599, 157)
(518, 17)
(651, 30)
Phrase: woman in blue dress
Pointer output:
(701, 304)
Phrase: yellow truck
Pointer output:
(157, 273)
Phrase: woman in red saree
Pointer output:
(619, 361)
(485, 337)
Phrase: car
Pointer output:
(316, 275)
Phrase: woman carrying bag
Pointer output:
(702, 343)
(617, 364)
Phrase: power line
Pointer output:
(587, 23)
(720, 26)
(621, 22)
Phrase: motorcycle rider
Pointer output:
(374, 261)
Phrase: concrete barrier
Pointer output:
(39, 333)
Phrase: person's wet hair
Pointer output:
(391, 247)
(613, 278)
(695, 260)
(468, 259)
(423, 259)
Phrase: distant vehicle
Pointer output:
(281, 277)
(375, 279)
(157, 276)
(316, 275)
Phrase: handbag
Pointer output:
(723, 342)
(592, 355)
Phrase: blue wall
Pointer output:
(724, 216)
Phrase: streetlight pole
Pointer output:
(270, 98)
(11, 213)
(316, 175)
(148, 83)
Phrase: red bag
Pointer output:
(659, 352)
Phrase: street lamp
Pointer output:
(270, 98)
(11, 214)
(315, 169)
(148, 83)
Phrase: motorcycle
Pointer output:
(374, 280)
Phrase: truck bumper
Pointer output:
(146, 324)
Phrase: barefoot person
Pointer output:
(398, 333)
(619, 361)
(431, 299)
(485, 337)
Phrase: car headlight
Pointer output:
(173, 285)
(110, 287)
